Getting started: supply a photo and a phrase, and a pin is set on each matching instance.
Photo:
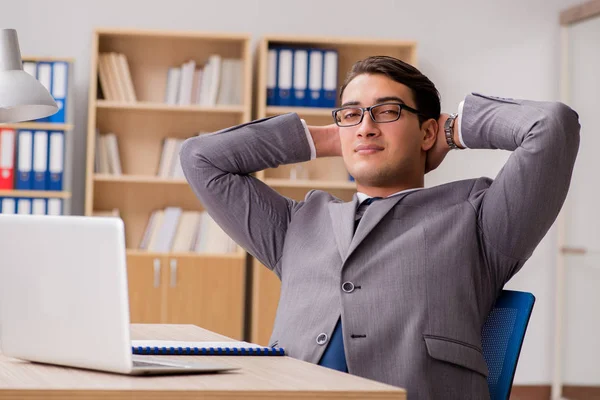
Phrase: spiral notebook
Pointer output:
(171, 347)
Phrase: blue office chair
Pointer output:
(502, 338)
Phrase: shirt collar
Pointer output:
(362, 197)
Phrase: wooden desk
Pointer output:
(260, 377)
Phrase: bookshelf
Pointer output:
(61, 199)
(184, 287)
(328, 174)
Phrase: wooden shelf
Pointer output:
(173, 36)
(145, 253)
(152, 106)
(339, 41)
(310, 184)
(43, 126)
(47, 58)
(167, 287)
(302, 111)
(145, 179)
(44, 194)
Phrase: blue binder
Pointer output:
(315, 77)
(40, 160)
(38, 206)
(8, 205)
(56, 152)
(272, 69)
(54, 207)
(330, 76)
(24, 206)
(300, 82)
(44, 75)
(60, 83)
(24, 170)
(285, 76)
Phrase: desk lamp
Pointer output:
(22, 97)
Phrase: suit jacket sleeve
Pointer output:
(519, 207)
(218, 168)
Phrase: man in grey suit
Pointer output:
(402, 299)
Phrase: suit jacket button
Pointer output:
(322, 339)
(348, 287)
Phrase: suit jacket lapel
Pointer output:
(376, 211)
(342, 219)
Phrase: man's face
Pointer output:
(381, 154)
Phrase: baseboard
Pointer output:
(542, 392)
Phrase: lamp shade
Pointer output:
(22, 97)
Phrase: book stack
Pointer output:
(170, 164)
(174, 230)
(115, 78)
(217, 82)
(107, 159)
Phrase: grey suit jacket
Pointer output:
(426, 265)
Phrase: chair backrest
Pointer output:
(502, 338)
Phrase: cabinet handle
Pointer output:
(156, 273)
(173, 265)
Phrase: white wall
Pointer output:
(582, 351)
(507, 48)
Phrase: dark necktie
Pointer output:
(360, 211)
(334, 356)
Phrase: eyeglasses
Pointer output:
(380, 113)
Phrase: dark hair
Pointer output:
(426, 96)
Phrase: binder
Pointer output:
(272, 62)
(24, 206)
(300, 77)
(44, 75)
(7, 158)
(315, 77)
(30, 67)
(54, 207)
(38, 206)
(24, 175)
(8, 205)
(40, 159)
(60, 80)
(56, 152)
(166, 347)
(330, 75)
(284, 78)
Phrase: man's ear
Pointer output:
(429, 130)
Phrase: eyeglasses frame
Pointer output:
(368, 109)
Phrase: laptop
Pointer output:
(64, 296)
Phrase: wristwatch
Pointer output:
(449, 131)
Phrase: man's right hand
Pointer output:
(327, 140)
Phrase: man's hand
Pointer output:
(327, 140)
(437, 153)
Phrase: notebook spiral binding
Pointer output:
(208, 351)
